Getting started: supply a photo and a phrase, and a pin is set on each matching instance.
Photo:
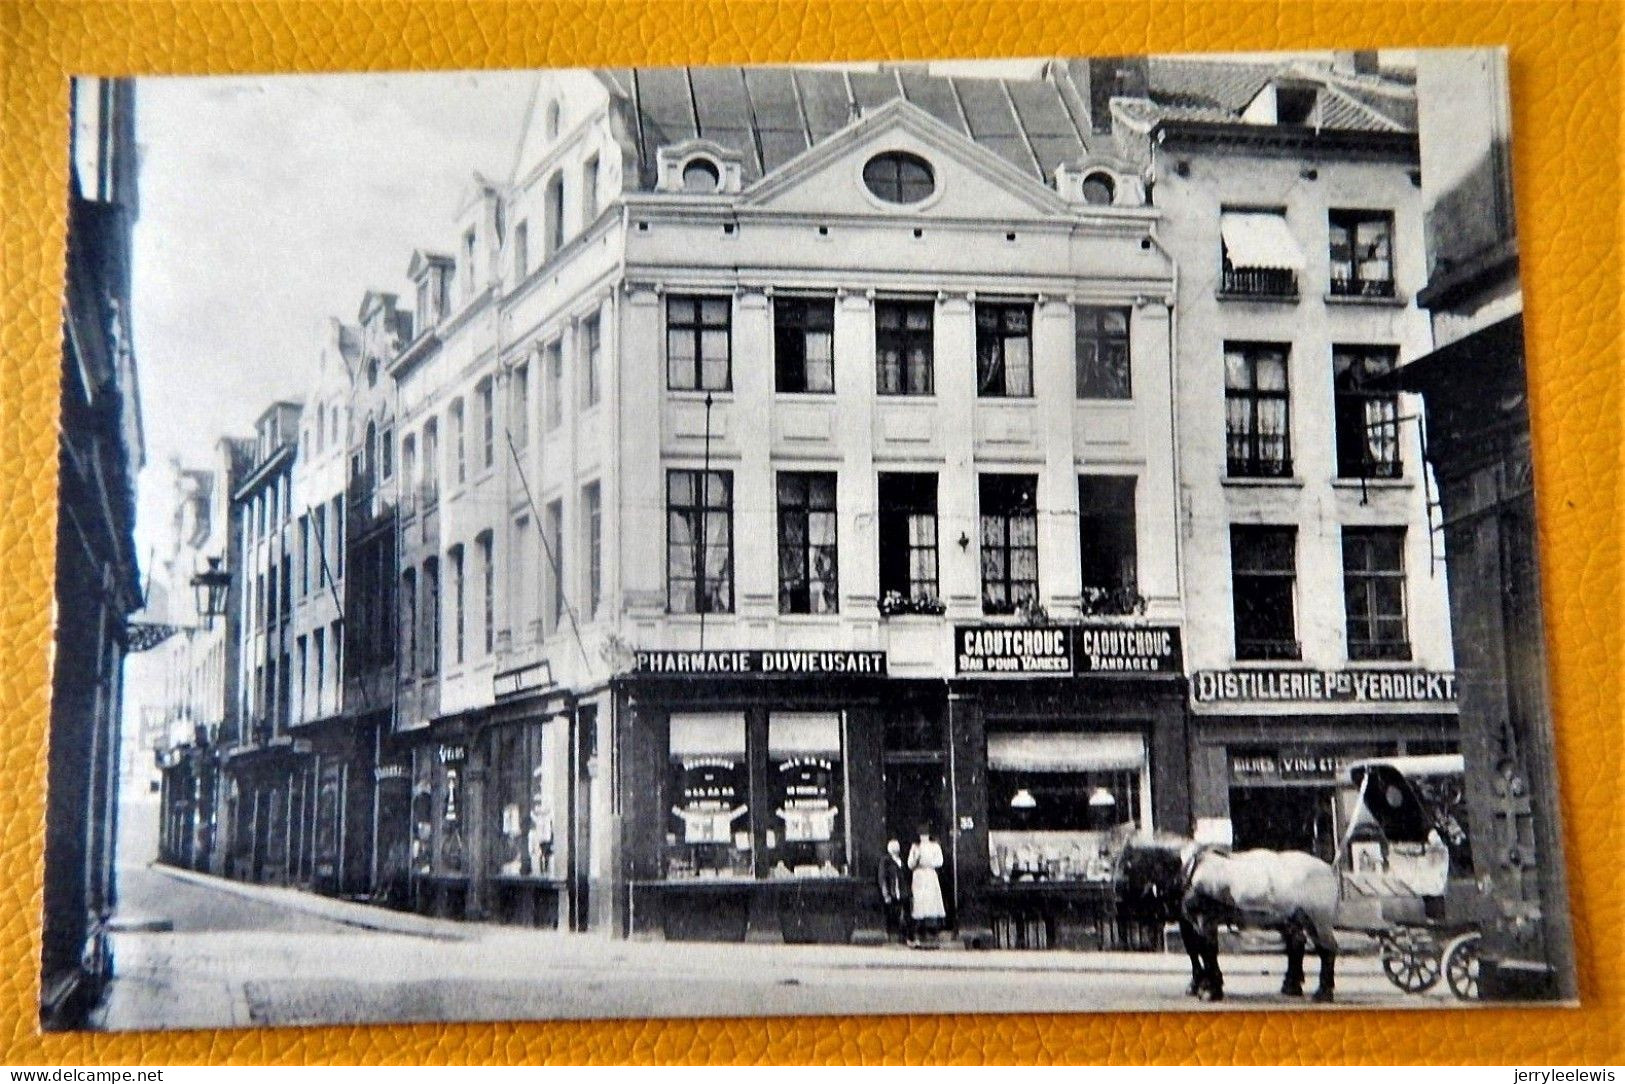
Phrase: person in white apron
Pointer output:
(925, 858)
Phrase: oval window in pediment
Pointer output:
(899, 177)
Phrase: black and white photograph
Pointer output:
(1020, 536)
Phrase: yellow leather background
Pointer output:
(1566, 78)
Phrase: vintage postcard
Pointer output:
(1037, 535)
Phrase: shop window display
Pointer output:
(806, 778)
(1061, 806)
(522, 810)
(708, 831)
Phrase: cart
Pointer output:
(1407, 871)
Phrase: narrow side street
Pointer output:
(239, 956)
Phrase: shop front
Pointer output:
(1274, 748)
(520, 847)
(753, 804)
(438, 852)
(186, 829)
(338, 813)
(1070, 741)
(268, 791)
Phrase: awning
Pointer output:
(1039, 752)
(1258, 241)
(696, 734)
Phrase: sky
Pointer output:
(267, 205)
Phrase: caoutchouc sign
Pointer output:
(1032, 651)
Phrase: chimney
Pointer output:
(1100, 79)
(1355, 62)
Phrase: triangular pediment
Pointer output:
(970, 181)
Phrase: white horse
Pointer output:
(1203, 888)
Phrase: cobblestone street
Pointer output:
(239, 957)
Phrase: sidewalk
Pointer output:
(493, 943)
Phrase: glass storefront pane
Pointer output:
(708, 832)
(807, 784)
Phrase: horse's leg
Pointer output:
(1214, 979)
(1292, 934)
(1326, 948)
(1191, 939)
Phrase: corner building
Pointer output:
(730, 438)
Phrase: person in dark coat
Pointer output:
(893, 878)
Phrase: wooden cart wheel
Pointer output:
(1411, 962)
(1461, 966)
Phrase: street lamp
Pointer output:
(211, 587)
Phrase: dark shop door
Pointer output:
(916, 794)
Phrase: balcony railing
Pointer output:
(1379, 650)
(1260, 282)
(1268, 649)
(1257, 466)
(1362, 287)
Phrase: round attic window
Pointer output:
(1099, 189)
(701, 175)
(899, 177)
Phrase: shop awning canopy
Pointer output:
(708, 734)
(1048, 752)
(1259, 241)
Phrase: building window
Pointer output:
(899, 177)
(698, 344)
(409, 462)
(1103, 353)
(1099, 190)
(386, 453)
(409, 621)
(708, 793)
(318, 647)
(589, 192)
(699, 541)
(553, 210)
(1061, 805)
(553, 360)
(519, 419)
(431, 617)
(1367, 421)
(1004, 350)
(804, 343)
(458, 606)
(1106, 544)
(431, 459)
(1257, 411)
(442, 291)
(1009, 533)
(554, 525)
(1261, 258)
(1263, 578)
(592, 360)
(592, 506)
(521, 251)
(807, 552)
(482, 396)
(1374, 590)
(318, 530)
(459, 440)
(338, 537)
(488, 602)
(904, 347)
(301, 652)
(468, 265)
(426, 314)
(908, 543)
(1362, 260)
(304, 556)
